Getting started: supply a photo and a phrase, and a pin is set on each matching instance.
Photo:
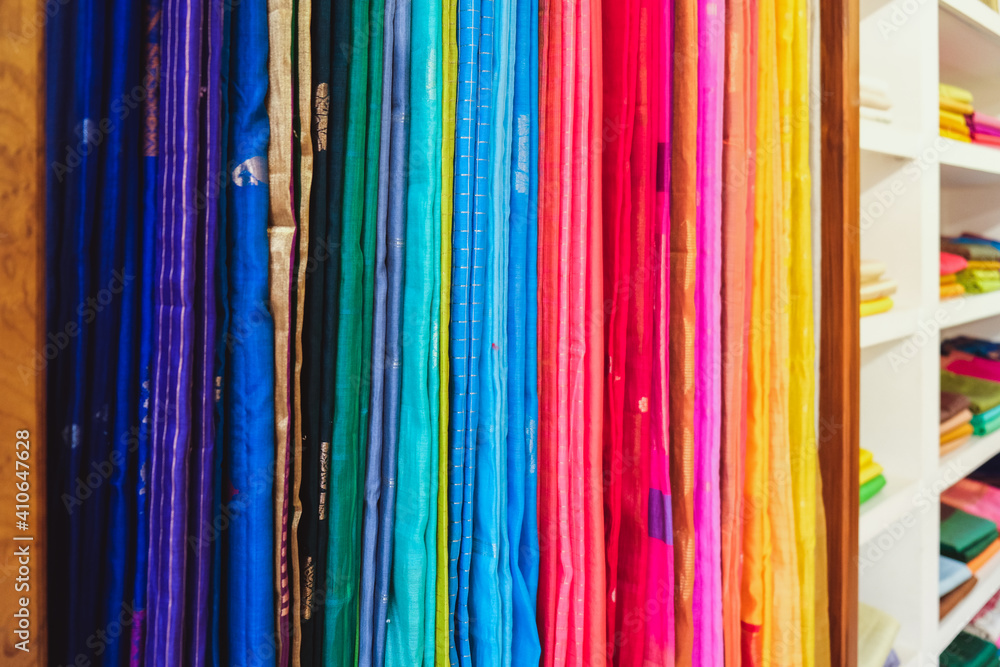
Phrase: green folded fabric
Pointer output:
(974, 252)
(979, 281)
(871, 487)
(964, 536)
(983, 395)
(987, 416)
(985, 426)
(969, 651)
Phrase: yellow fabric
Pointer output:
(449, 78)
(865, 457)
(952, 290)
(957, 128)
(951, 118)
(955, 106)
(875, 306)
(955, 93)
(984, 266)
(951, 446)
(948, 134)
(950, 279)
(868, 472)
(799, 453)
(956, 433)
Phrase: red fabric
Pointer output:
(952, 263)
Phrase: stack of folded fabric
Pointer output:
(876, 290)
(984, 129)
(965, 536)
(877, 631)
(964, 375)
(951, 264)
(875, 102)
(871, 478)
(954, 105)
(976, 499)
(956, 421)
(968, 650)
(955, 581)
(982, 271)
(977, 347)
(986, 623)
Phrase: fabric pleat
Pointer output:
(683, 254)
(737, 251)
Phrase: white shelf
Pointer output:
(971, 308)
(887, 506)
(965, 165)
(959, 463)
(975, 15)
(888, 139)
(888, 326)
(962, 614)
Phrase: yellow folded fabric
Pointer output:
(948, 134)
(956, 433)
(865, 457)
(870, 291)
(950, 291)
(871, 270)
(957, 128)
(984, 266)
(949, 279)
(954, 106)
(869, 471)
(954, 92)
(947, 447)
(875, 306)
(952, 118)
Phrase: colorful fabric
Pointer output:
(951, 574)
(951, 291)
(876, 306)
(963, 535)
(871, 487)
(952, 263)
(983, 395)
(963, 417)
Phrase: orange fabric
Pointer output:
(956, 433)
(977, 563)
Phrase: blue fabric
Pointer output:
(250, 420)
(372, 616)
(951, 574)
(410, 638)
(525, 644)
(396, 240)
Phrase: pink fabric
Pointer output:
(981, 120)
(986, 140)
(952, 263)
(977, 367)
(659, 649)
(974, 497)
(707, 598)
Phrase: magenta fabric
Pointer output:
(977, 367)
(951, 263)
(983, 122)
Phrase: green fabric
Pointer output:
(870, 488)
(964, 536)
(967, 650)
(985, 426)
(410, 640)
(347, 446)
(978, 281)
(983, 395)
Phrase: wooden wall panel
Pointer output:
(840, 352)
(22, 317)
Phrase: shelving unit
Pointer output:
(916, 187)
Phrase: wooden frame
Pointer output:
(840, 355)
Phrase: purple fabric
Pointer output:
(174, 329)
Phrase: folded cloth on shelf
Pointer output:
(963, 417)
(874, 100)
(950, 279)
(977, 367)
(952, 403)
(977, 563)
(984, 417)
(978, 347)
(877, 290)
(964, 536)
(946, 90)
(979, 282)
(957, 136)
(892, 660)
(871, 270)
(986, 623)
(877, 631)
(868, 472)
(980, 265)
(961, 431)
(952, 263)
(877, 115)
(972, 237)
(967, 650)
(949, 104)
(864, 457)
(951, 600)
(950, 291)
(875, 306)
(873, 85)
(975, 497)
(981, 120)
(972, 248)
(986, 139)
(983, 130)
(947, 447)
(983, 395)
(986, 427)
(951, 574)
(870, 488)
(950, 118)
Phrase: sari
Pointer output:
(707, 594)
(683, 254)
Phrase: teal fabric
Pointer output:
(967, 650)
(984, 426)
(964, 536)
(410, 632)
